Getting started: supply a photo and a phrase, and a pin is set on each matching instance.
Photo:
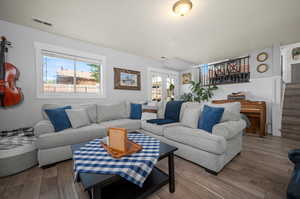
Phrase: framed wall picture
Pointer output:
(186, 78)
(261, 57)
(127, 79)
(262, 68)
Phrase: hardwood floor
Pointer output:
(261, 171)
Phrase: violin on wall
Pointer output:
(10, 94)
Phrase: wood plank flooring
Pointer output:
(261, 171)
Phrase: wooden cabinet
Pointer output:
(255, 111)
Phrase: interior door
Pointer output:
(296, 73)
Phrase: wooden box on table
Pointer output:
(119, 144)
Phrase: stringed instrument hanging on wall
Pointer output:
(10, 94)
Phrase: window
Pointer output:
(164, 85)
(156, 94)
(68, 73)
(170, 87)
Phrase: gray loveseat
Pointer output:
(210, 150)
(56, 146)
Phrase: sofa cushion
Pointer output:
(90, 108)
(229, 129)
(161, 109)
(129, 124)
(196, 138)
(231, 112)
(49, 106)
(190, 117)
(78, 117)
(70, 136)
(173, 109)
(128, 105)
(111, 112)
(210, 116)
(135, 111)
(156, 129)
(59, 118)
(190, 105)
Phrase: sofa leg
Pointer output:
(211, 172)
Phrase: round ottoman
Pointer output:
(17, 153)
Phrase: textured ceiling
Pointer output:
(213, 30)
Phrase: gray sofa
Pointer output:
(210, 150)
(56, 146)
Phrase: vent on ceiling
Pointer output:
(42, 22)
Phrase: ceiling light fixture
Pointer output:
(182, 7)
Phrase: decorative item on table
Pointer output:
(262, 57)
(237, 96)
(127, 79)
(118, 145)
(186, 78)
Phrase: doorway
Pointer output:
(295, 73)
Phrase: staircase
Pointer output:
(290, 127)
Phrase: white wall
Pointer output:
(259, 89)
(262, 86)
(22, 55)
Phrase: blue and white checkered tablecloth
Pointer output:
(93, 158)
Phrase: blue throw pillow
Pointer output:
(209, 117)
(59, 118)
(135, 111)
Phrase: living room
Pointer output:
(206, 93)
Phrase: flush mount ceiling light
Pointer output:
(182, 7)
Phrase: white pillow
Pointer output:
(232, 111)
(91, 110)
(78, 117)
(190, 117)
(190, 105)
(161, 108)
(112, 112)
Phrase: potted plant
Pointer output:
(199, 93)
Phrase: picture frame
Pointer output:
(262, 68)
(186, 78)
(127, 79)
(262, 57)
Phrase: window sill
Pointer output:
(70, 96)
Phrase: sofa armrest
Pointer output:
(43, 127)
(197, 138)
(294, 156)
(229, 129)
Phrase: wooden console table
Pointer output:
(255, 111)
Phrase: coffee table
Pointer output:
(113, 186)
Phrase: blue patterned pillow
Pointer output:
(59, 118)
(210, 116)
(135, 111)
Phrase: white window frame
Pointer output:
(165, 73)
(39, 47)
